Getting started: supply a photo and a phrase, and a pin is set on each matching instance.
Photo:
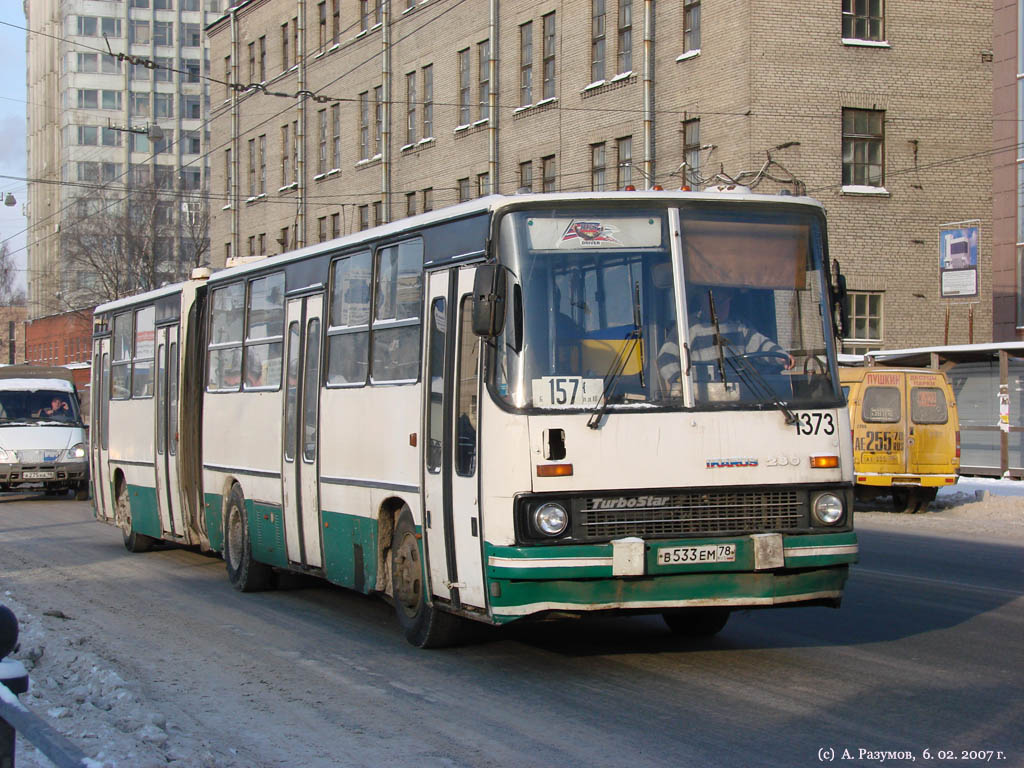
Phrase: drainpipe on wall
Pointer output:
(299, 239)
(492, 99)
(233, 188)
(385, 118)
(649, 92)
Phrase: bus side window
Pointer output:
(466, 383)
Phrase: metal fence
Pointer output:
(17, 720)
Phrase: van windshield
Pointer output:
(39, 406)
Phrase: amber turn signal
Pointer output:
(824, 462)
(554, 470)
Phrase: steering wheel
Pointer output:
(769, 359)
(814, 366)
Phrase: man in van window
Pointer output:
(58, 408)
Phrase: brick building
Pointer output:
(12, 334)
(882, 113)
(1007, 182)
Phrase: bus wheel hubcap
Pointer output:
(407, 575)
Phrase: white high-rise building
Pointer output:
(116, 144)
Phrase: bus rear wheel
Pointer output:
(133, 540)
(424, 625)
(244, 573)
(696, 622)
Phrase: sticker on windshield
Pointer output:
(548, 234)
(566, 392)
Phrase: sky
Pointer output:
(12, 129)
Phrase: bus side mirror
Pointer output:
(489, 288)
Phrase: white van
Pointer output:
(42, 437)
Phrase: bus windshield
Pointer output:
(594, 310)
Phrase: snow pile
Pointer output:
(103, 714)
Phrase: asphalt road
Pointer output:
(927, 653)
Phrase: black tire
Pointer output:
(133, 540)
(424, 625)
(82, 491)
(901, 500)
(696, 622)
(244, 573)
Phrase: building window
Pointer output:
(335, 21)
(378, 119)
(263, 58)
(624, 162)
(428, 101)
(597, 40)
(625, 36)
(295, 151)
(89, 99)
(547, 173)
(863, 145)
(691, 152)
(463, 187)
(335, 225)
(139, 32)
(410, 203)
(483, 184)
(428, 199)
(88, 62)
(410, 108)
(335, 136)
(526, 64)
(252, 167)
(484, 79)
(364, 125)
(321, 228)
(321, 160)
(526, 176)
(87, 26)
(691, 25)
(286, 157)
(163, 33)
(261, 179)
(164, 70)
(597, 167)
(863, 20)
(864, 324)
(190, 35)
(364, 15)
(228, 175)
(110, 27)
(284, 46)
(464, 87)
(322, 15)
(143, 74)
(364, 217)
(252, 62)
(548, 91)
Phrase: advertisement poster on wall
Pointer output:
(958, 260)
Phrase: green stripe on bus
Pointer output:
(266, 526)
(350, 550)
(214, 504)
(519, 598)
(145, 515)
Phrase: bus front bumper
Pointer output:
(64, 474)
(631, 574)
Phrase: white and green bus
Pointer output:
(516, 407)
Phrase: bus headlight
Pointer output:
(75, 452)
(550, 519)
(828, 509)
(8, 457)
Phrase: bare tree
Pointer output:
(115, 245)
(10, 294)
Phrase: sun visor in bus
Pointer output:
(750, 254)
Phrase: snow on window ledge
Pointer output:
(689, 55)
(862, 189)
(857, 42)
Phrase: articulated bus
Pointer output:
(517, 407)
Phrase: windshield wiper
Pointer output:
(754, 379)
(719, 341)
(633, 338)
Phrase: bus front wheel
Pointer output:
(696, 622)
(133, 540)
(244, 573)
(424, 625)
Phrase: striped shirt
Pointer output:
(737, 339)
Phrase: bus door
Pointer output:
(99, 441)
(451, 418)
(300, 486)
(931, 442)
(166, 403)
